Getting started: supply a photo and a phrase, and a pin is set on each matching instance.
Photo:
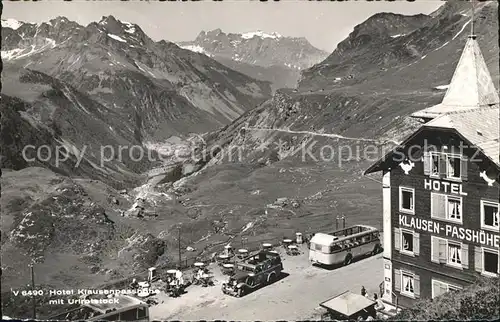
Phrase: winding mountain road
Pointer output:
(329, 135)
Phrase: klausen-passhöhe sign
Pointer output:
(439, 228)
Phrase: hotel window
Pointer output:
(451, 253)
(434, 164)
(450, 166)
(407, 200)
(446, 207)
(453, 167)
(454, 254)
(487, 261)
(407, 283)
(407, 242)
(489, 215)
(454, 208)
(439, 288)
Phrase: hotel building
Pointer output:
(441, 191)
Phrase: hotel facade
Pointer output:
(441, 191)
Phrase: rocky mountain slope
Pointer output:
(265, 56)
(109, 85)
(389, 48)
(158, 88)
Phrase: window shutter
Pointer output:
(442, 250)
(463, 167)
(498, 265)
(397, 239)
(416, 243)
(442, 165)
(434, 249)
(416, 286)
(435, 288)
(397, 280)
(438, 202)
(465, 256)
(427, 163)
(478, 262)
(443, 288)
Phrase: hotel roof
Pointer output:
(479, 126)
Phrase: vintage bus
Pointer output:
(342, 246)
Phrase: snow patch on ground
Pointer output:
(197, 49)
(247, 227)
(145, 69)
(442, 87)
(130, 29)
(115, 37)
(292, 66)
(18, 53)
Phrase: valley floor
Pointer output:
(295, 297)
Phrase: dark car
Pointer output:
(253, 272)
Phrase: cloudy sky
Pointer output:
(324, 24)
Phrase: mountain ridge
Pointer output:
(265, 56)
(127, 53)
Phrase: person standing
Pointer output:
(363, 291)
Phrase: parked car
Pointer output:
(253, 272)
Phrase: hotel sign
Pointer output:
(439, 228)
(444, 187)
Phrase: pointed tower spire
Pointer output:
(471, 85)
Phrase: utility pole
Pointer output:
(179, 241)
(33, 290)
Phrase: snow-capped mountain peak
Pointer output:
(261, 34)
(11, 23)
(197, 49)
(248, 48)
